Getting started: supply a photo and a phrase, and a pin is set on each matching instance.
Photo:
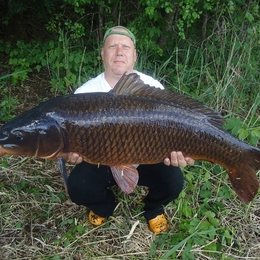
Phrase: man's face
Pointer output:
(118, 54)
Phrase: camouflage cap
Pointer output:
(121, 30)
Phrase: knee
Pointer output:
(84, 194)
(174, 183)
(83, 189)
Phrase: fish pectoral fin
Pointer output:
(126, 177)
(63, 171)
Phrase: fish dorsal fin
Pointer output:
(131, 84)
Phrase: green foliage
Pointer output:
(249, 128)
(69, 65)
(7, 106)
(58, 60)
(249, 132)
(189, 13)
(7, 102)
(73, 230)
(199, 211)
(200, 219)
(24, 59)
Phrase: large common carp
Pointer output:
(132, 124)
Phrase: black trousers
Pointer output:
(88, 183)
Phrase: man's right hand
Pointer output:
(72, 158)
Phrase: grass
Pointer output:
(38, 221)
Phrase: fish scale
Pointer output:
(128, 147)
(132, 124)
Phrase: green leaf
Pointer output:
(249, 17)
(179, 245)
(233, 124)
(187, 211)
(211, 247)
(211, 216)
(243, 133)
(38, 67)
(256, 132)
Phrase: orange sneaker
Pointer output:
(95, 219)
(158, 224)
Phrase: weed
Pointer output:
(8, 102)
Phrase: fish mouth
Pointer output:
(2, 151)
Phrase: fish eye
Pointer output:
(18, 134)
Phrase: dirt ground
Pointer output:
(38, 220)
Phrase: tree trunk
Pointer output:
(168, 19)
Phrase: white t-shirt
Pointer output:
(99, 83)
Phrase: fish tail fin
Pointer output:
(243, 178)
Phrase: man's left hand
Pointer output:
(177, 159)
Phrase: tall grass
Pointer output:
(224, 76)
(226, 81)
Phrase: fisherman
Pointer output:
(88, 184)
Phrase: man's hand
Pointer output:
(177, 159)
(72, 158)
